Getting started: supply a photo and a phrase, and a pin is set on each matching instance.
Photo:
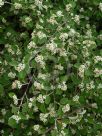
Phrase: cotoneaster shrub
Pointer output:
(51, 68)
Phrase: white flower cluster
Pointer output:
(1, 3)
(90, 85)
(85, 51)
(63, 36)
(100, 6)
(39, 4)
(40, 59)
(63, 86)
(52, 47)
(76, 98)
(42, 76)
(31, 45)
(16, 84)
(59, 13)
(77, 19)
(81, 70)
(15, 99)
(41, 98)
(52, 20)
(28, 19)
(41, 35)
(11, 75)
(68, 7)
(52, 111)
(20, 67)
(99, 86)
(3, 111)
(16, 118)
(43, 117)
(17, 5)
(36, 127)
(97, 59)
(89, 43)
(66, 108)
(98, 72)
(38, 85)
(59, 67)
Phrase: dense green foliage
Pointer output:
(51, 68)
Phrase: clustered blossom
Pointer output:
(38, 85)
(11, 75)
(41, 98)
(1, 3)
(16, 118)
(90, 85)
(43, 117)
(15, 99)
(82, 70)
(97, 59)
(20, 67)
(62, 86)
(100, 6)
(16, 84)
(66, 108)
(98, 72)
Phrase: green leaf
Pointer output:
(42, 108)
(48, 99)
(1, 90)
(11, 94)
(64, 101)
(12, 123)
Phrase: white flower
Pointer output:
(29, 104)
(42, 76)
(77, 19)
(41, 35)
(1, 3)
(97, 72)
(59, 67)
(68, 7)
(20, 67)
(59, 13)
(72, 32)
(15, 99)
(39, 4)
(41, 98)
(62, 86)
(38, 85)
(3, 111)
(36, 127)
(100, 6)
(81, 70)
(63, 36)
(31, 45)
(97, 59)
(16, 84)
(28, 19)
(39, 58)
(11, 75)
(52, 47)
(94, 105)
(76, 98)
(43, 117)
(66, 108)
(90, 85)
(17, 5)
(15, 117)
(99, 86)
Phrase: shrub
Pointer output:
(51, 68)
